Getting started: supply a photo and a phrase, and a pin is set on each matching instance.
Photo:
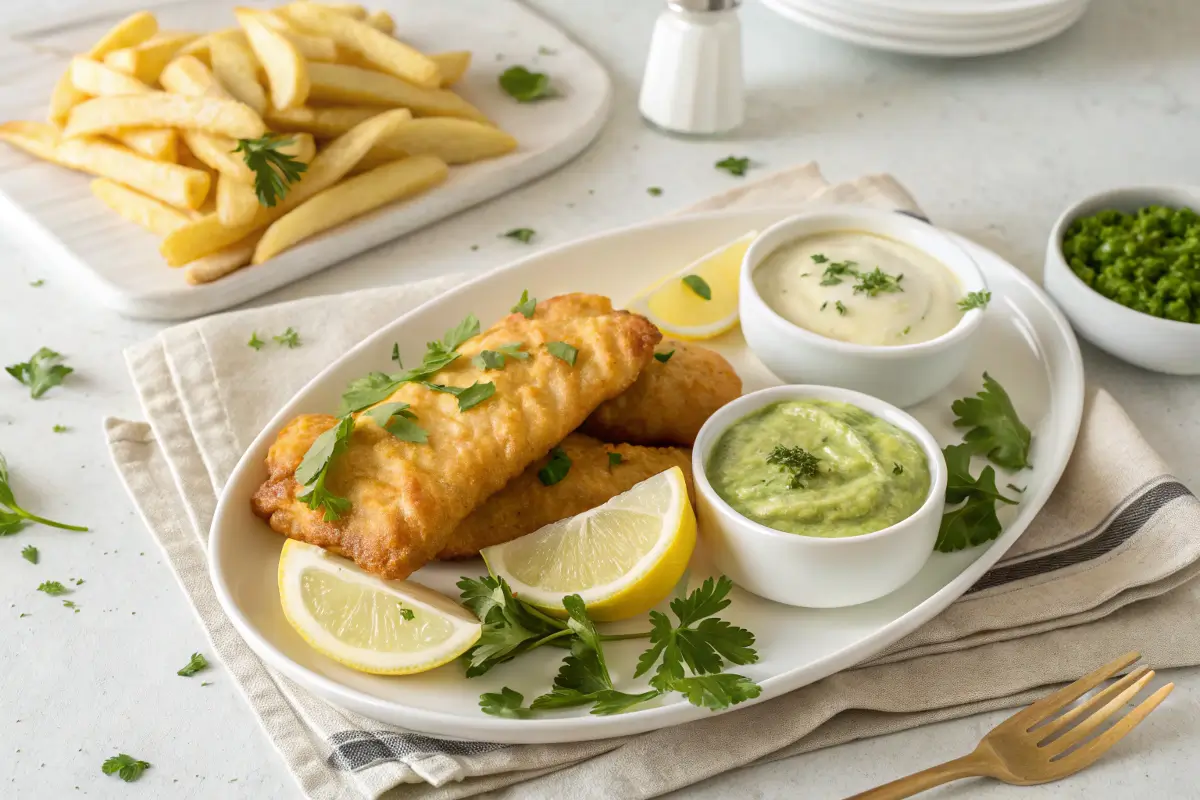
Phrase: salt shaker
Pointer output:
(693, 80)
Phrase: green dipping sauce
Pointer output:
(868, 473)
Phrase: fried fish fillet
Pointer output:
(670, 401)
(525, 504)
(407, 498)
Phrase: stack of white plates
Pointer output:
(936, 27)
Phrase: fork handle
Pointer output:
(969, 766)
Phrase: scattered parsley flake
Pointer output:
(496, 359)
(256, 342)
(289, 339)
(975, 300)
(546, 51)
(71, 605)
(468, 396)
(836, 271)
(52, 588)
(797, 461)
(43, 371)
(897, 468)
(698, 285)
(654, 191)
(819, 258)
(30, 553)
(396, 355)
(522, 235)
(556, 468)
(38, 283)
(60, 429)
(841, 309)
(664, 357)
(563, 351)
(1017, 489)
(196, 663)
(126, 767)
(525, 86)
(876, 281)
(526, 305)
(614, 459)
(734, 165)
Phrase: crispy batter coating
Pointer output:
(408, 498)
(669, 402)
(525, 504)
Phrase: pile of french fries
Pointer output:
(157, 117)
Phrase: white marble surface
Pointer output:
(994, 148)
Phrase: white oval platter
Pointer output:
(1024, 343)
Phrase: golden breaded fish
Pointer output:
(669, 402)
(407, 498)
(525, 504)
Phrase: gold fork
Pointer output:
(1032, 746)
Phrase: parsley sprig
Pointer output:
(974, 521)
(274, 170)
(996, 430)
(126, 767)
(697, 642)
(196, 663)
(525, 86)
(41, 372)
(12, 516)
(975, 300)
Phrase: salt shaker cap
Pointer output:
(703, 5)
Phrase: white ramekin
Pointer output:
(807, 570)
(901, 374)
(1161, 345)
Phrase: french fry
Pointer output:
(201, 48)
(207, 235)
(349, 199)
(339, 83)
(153, 215)
(377, 48)
(188, 75)
(161, 144)
(132, 30)
(236, 202)
(223, 262)
(94, 78)
(382, 21)
(234, 67)
(164, 110)
(145, 61)
(313, 48)
(39, 139)
(287, 71)
(217, 152)
(352, 10)
(455, 141)
(453, 65)
(170, 183)
(325, 123)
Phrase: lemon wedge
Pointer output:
(679, 311)
(622, 558)
(368, 623)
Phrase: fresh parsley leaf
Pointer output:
(709, 598)
(526, 305)
(614, 702)
(397, 420)
(664, 357)
(126, 767)
(546, 51)
(897, 468)
(509, 627)
(959, 483)
(734, 165)
(974, 521)
(841, 309)
(906, 331)
(819, 258)
(314, 469)
(1017, 489)
(255, 342)
(407, 614)
(614, 459)
(563, 351)
(698, 285)
(196, 663)
(274, 170)
(876, 281)
(525, 86)
(556, 468)
(522, 235)
(495, 359)
(996, 430)
(838, 270)
(60, 428)
(71, 605)
(456, 336)
(654, 191)
(717, 691)
(975, 300)
(30, 553)
(797, 461)
(289, 339)
(468, 396)
(396, 355)
(38, 283)
(205, 683)
(52, 588)
(12, 519)
(41, 372)
(823, 305)
(375, 387)
(505, 703)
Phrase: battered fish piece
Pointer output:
(407, 498)
(669, 402)
(525, 504)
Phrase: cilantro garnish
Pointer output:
(525, 86)
(734, 165)
(526, 305)
(274, 170)
(664, 357)
(255, 342)
(289, 339)
(876, 281)
(52, 588)
(71, 605)
(496, 359)
(996, 430)
(12, 516)
(522, 235)
(837, 270)
(974, 521)
(841, 309)
(468, 396)
(397, 420)
(819, 258)
(563, 351)
(505, 703)
(196, 663)
(797, 461)
(556, 468)
(41, 372)
(30, 553)
(975, 300)
(126, 767)
(614, 459)
(314, 469)
(698, 285)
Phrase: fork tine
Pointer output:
(1088, 724)
(1100, 745)
(1059, 723)
(1053, 702)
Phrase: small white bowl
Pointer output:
(811, 571)
(901, 374)
(1153, 343)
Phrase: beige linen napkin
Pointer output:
(1103, 569)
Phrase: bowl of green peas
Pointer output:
(1124, 266)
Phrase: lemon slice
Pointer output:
(680, 312)
(622, 558)
(368, 623)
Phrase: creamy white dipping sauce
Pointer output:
(798, 282)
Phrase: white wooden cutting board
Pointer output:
(121, 262)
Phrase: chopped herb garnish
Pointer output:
(397, 420)
(38, 283)
(974, 520)
(975, 300)
(824, 305)
(196, 663)
(289, 339)
(468, 396)
(525, 86)
(505, 703)
(564, 351)
(396, 355)
(654, 191)
(797, 461)
(60, 429)
(1017, 489)
(522, 235)
(556, 468)
(12, 516)
(407, 614)
(126, 767)
(876, 281)
(71, 605)
(255, 342)
(819, 258)
(205, 683)
(496, 359)
(698, 285)
(525, 306)
(614, 459)
(841, 309)
(41, 372)
(30, 553)
(664, 357)
(274, 170)
(52, 588)
(837, 270)
(906, 331)
(314, 469)
(546, 51)
(996, 430)
(734, 165)
(897, 468)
